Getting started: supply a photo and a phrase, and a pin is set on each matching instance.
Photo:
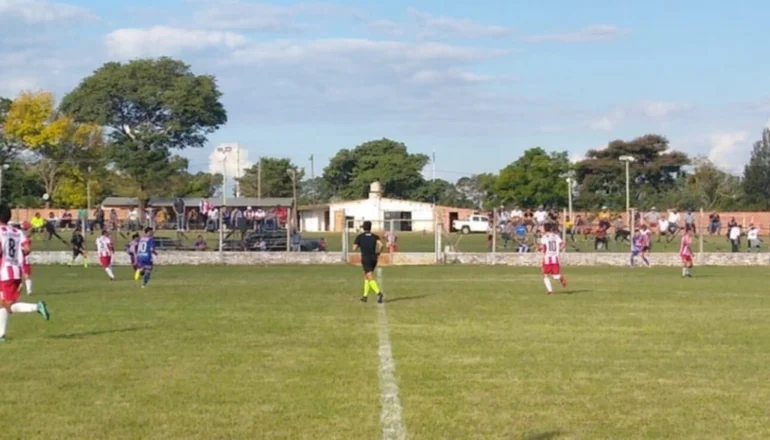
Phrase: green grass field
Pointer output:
(419, 242)
(480, 353)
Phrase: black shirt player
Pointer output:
(78, 247)
(370, 246)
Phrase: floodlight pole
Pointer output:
(628, 160)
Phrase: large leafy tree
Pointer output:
(63, 149)
(535, 179)
(713, 188)
(478, 189)
(756, 174)
(276, 179)
(150, 108)
(441, 192)
(601, 175)
(7, 146)
(351, 172)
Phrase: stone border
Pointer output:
(411, 259)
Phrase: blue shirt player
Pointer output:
(145, 250)
(637, 247)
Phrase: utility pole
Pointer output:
(312, 176)
(237, 169)
(259, 179)
(433, 165)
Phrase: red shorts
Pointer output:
(26, 269)
(686, 258)
(105, 261)
(551, 269)
(10, 290)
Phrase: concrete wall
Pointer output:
(414, 258)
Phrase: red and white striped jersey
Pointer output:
(685, 246)
(550, 246)
(104, 246)
(11, 240)
(28, 244)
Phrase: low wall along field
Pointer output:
(412, 259)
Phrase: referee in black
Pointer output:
(370, 246)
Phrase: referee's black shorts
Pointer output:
(369, 263)
(76, 251)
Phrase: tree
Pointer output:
(442, 193)
(756, 174)
(712, 186)
(311, 191)
(7, 146)
(477, 189)
(351, 172)
(535, 179)
(62, 148)
(276, 180)
(601, 176)
(150, 107)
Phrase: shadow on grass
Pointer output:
(406, 298)
(544, 435)
(98, 333)
(572, 292)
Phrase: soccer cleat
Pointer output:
(364, 299)
(43, 310)
(2, 339)
(137, 274)
(380, 298)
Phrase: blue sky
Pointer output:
(476, 82)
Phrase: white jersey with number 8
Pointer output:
(104, 246)
(11, 240)
(551, 245)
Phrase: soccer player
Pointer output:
(131, 250)
(11, 260)
(26, 267)
(551, 245)
(78, 247)
(370, 246)
(647, 235)
(685, 253)
(105, 250)
(637, 247)
(145, 250)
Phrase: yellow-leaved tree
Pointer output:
(67, 155)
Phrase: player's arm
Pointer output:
(562, 246)
(25, 247)
(355, 243)
(379, 246)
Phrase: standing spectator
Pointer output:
(507, 233)
(652, 218)
(600, 240)
(715, 224)
(735, 237)
(604, 218)
(179, 214)
(205, 208)
(66, 219)
(541, 216)
(516, 214)
(133, 220)
(673, 221)
(226, 217)
(114, 221)
(99, 216)
(689, 221)
(753, 238)
(259, 219)
(83, 219)
(235, 218)
(663, 228)
(192, 219)
(213, 220)
(569, 226)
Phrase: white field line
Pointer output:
(391, 419)
(393, 427)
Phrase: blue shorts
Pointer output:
(142, 263)
(635, 252)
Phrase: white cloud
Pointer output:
(41, 11)
(586, 35)
(663, 109)
(730, 150)
(236, 15)
(11, 87)
(577, 157)
(440, 26)
(607, 122)
(426, 26)
(234, 163)
(162, 40)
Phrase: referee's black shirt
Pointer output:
(367, 243)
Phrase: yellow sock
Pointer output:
(375, 288)
(366, 288)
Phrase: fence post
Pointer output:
(494, 237)
(632, 226)
(221, 235)
(439, 244)
(564, 225)
(700, 235)
(344, 237)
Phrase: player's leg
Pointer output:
(106, 263)
(27, 275)
(547, 279)
(85, 257)
(633, 258)
(644, 257)
(374, 286)
(367, 286)
(75, 254)
(147, 275)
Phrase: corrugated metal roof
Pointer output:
(164, 202)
